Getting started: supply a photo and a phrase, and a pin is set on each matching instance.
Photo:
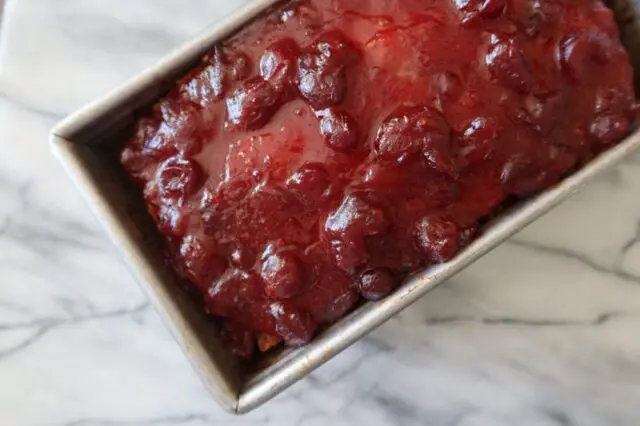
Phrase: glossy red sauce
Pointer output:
(334, 146)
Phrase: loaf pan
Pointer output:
(87, 142)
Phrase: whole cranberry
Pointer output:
(508, 65)
(137, 155)
(556, 161)
(235, 291)
(201, 264)
(559, 157)
(612, 98)
(478, 141)
(321, 82)
(283, 274)
(330, 298)
(540, 114)
(252, 105)
(206, 86)
(145, 129)
(347, 227)
(438, 237)
(410, 130)
(177, 179)
(217, 74)
(311, 183)
(357, 214)
(349, 252)
(339, 130)
(171, 220)
(183, 128)
(579, 51)
(535, 17)
(257, 316)
(608, 128)
(522, 175)
(296, 327)
(381, 177)
(486, 9)
(376, 284)
(210, 83)
(322, 78)
(279, 64)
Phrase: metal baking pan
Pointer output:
(86, 144)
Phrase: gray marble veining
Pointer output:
(541, 332)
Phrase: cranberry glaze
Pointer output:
(334, 146)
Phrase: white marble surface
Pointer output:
(542, 332)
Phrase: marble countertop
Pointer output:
(541, 332)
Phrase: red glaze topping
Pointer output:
(332, 147)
